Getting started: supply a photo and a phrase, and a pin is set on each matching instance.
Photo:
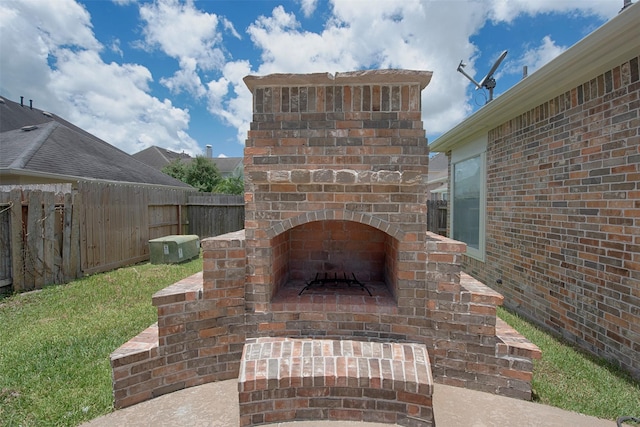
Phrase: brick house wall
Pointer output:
(563, 215)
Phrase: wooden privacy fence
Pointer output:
(50, 236)
(437, 213)
(40, 239)
(215, 214)
(118, 220)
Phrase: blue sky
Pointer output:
(169, 72)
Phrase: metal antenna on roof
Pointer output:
(488, 82)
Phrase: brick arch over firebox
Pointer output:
(342, 242)
(392, 230)
(334, 249)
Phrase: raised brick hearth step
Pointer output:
(285, 379)
(513, 344)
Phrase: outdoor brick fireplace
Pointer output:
(334, 247)
(335, 172)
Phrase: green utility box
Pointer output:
(174, 249)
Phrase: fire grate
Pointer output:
(337, 281)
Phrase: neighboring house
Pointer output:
(438, 177)
(37, 147)
(158, 158)
(229, 166)
(546, 192)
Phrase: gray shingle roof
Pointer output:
(158, 157)
(55, 146)
(226, 165)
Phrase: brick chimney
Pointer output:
(335, 167)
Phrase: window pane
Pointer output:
(466, 201)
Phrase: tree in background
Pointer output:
(176, 169)
(230, 185)
(203, 174)
(200, 173)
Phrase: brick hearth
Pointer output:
(285, 379)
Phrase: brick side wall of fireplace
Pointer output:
(202, 327)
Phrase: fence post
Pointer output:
(78, 235)
(17, 241)
(48, 238)
(34, 265)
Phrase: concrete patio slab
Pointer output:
(216, 405)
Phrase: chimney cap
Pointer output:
(363, 77)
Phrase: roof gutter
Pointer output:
(607, 47)
(75, 179)
(438, 180)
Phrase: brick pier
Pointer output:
(284, 379)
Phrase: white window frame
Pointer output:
(477, 147)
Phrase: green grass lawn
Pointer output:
(55, 343)
(570, 379)
(55, 346)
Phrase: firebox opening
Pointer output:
(334, 248)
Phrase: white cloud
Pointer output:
(185, 79)
(536, 57)
(228, 25)
(278, 35)
(308, 7)
(412, 34)
(23, 58)
(50, 22)
(60, 68)
(115, 47)
(507, 10)
(112, 102)
(230, 100)
(183, 32)
(31, 33)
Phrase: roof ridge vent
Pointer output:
(29, 128)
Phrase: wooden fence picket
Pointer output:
(17, 241)
(49, 273)
(5, 239)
